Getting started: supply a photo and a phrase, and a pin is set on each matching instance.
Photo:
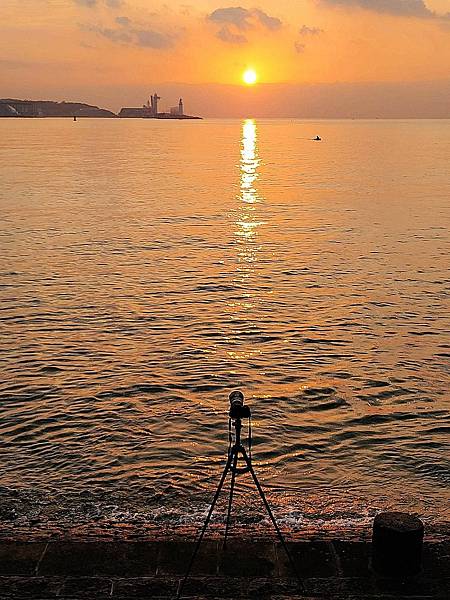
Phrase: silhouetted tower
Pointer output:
(154, 103)
(180, 106)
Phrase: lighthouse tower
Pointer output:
(154, 104)
(180, 107)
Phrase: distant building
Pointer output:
(177, 110)
(150, 111)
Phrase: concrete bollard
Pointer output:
(397, 544)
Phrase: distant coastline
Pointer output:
(15, 108)
(47, 108)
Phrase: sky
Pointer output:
(313, 58)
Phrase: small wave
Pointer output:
(50, 369)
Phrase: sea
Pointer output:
(148, 268)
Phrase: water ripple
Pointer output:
(138, 287)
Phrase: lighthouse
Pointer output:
(180, 107)
(154, 104)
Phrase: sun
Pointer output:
(249, 76)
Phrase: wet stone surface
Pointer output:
(241, 559)
(100, 558)
(34, 587)
(353, 558)
(147, 587)
(20, 558)
(436, 559)
(86, 587)
(173, 558)
(335, 570)
(311, 559)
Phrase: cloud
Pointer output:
(130, 35)
(235, 19)
(147, 38)
(226, 35)
(125, 21)
(92, 3)
(118, 36)
(305, 30)
(403, 8)
(237, 16)
(272, 23)
(88, 3)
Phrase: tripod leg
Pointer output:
(205, 525)
(230, 501)
(272, 518)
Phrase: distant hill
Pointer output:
(10, 107)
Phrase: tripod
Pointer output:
(237, 411)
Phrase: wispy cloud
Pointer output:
(147, 38)
(402, 8)
(124, 21)
(272, 23)
(88, 3)
(235, 19)
(92, 3)
(130, 34)
(305, 30)
(226, 35)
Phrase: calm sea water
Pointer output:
(148, 268)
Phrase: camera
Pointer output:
(237, 408)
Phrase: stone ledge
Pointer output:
(217, 587)
(241, 559)
(247, 569)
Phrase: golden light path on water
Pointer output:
(248, 221)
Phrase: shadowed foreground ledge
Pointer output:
(95, 570)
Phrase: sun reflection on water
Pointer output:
(247, 220)
(249, 162)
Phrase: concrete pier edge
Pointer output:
(335, 569)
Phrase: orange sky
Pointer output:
(112, 51)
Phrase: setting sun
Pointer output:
(249, 76)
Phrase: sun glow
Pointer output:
(249, 76)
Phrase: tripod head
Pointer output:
(238, 411)
(237, 408)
